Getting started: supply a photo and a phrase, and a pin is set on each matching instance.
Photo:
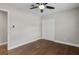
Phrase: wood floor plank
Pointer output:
(3, 50)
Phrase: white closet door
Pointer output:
(3, 27)
(48, 29)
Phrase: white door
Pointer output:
(48, 29)
(3, 27)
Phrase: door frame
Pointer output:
(54, 23)
(4, 10)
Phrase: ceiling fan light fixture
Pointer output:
(41, 6)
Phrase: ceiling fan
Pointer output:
(41, 6)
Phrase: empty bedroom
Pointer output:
(40, 28)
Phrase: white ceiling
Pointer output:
(58, 7)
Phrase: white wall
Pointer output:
(67, 26)
(3, 27)
(27, 26)
(64, 26)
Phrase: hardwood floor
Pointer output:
(3, 50)
(45, 47)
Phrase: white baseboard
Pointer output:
(66, 43)
(13, 47)
(3, 43)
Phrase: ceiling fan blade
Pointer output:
(34, 7)
(41, 10)
(49, 7)
(45, 3)
(38, 3)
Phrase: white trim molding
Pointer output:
(4, 10)
(8, 14)
(13, 47)
(66, 43)
(3, 43)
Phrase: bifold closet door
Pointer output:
(48, 29)
(3, 27)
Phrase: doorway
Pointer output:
(3, 32)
